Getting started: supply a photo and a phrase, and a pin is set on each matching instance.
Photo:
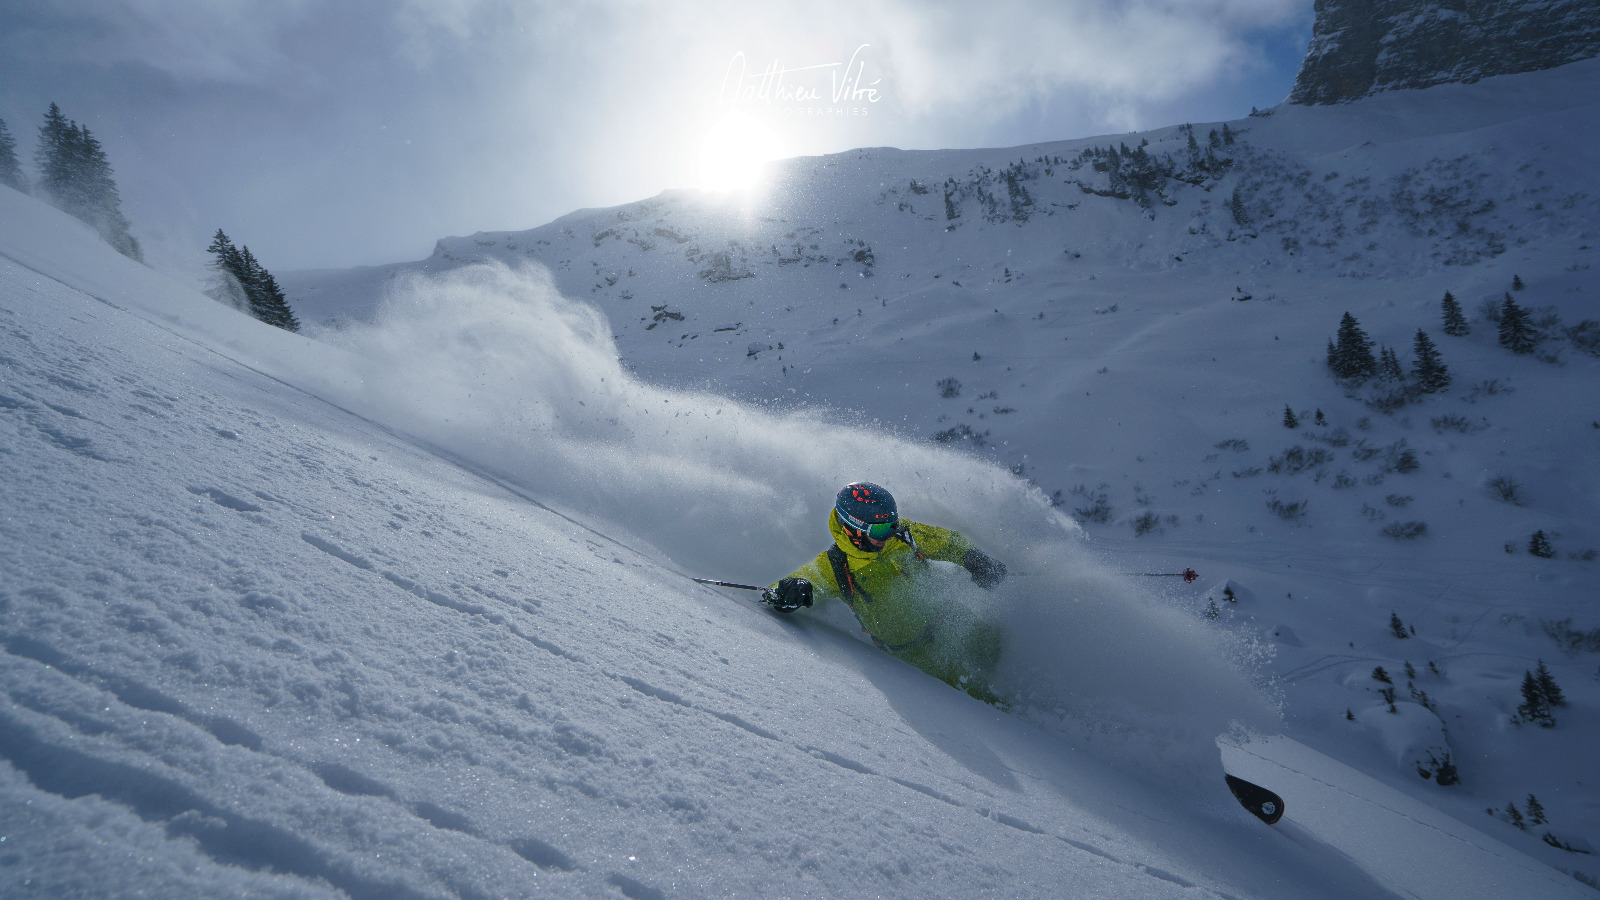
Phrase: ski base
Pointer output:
(1262, 803)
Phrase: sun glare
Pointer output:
(734, 154)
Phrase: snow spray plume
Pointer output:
(493, 365)
(496, 367)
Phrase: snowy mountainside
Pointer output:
(1118, 334)
(291, 620)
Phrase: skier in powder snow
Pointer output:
(873, 566)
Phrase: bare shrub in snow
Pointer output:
(1405, 531)
(1289, 512)
(1569, 639)
(1506, 489)
(1297, 459)
(1146, 523)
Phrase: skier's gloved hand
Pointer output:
(986, 570)
(791, 594)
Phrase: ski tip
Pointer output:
(1262, 803)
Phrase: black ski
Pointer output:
(1262, 803)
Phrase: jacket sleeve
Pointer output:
(820, 573)
(938, 543)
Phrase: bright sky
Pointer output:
(331, 134)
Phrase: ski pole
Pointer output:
(766, 593)
(1188, 575)
(742, 587)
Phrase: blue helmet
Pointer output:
(867, 513)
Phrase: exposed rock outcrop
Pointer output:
(1361, 47)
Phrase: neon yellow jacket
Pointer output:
(885, 600)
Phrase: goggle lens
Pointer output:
(882, 530)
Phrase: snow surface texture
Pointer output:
(1134, 361)
(257, 640)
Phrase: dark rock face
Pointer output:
(1361, 47)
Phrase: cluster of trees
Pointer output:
(74, 174)
(1540, 695)
(246, 285)
(1350, 357)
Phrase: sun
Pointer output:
(735, 152)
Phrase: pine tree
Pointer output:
(10, 170)
(1320, 418)
(1516, 283)
(1548, 687)
(75, 175)
(243, 283)
(274, 305)
(1352, 357)
(1536, 814)
(1397, 627)
(1389, 365)
(1455, 322)
(1380, 674)
(226, 284)
(1241, 216)
(1539, 545)
(1535, 706)
(1428, 372)
(1515, 815)
(1227, 134)
(1289, 419)
(1516, 328)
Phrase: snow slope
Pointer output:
(279, 619)
(1134, 362)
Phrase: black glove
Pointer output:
(792, 593)
(986, 570)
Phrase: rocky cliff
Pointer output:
(1360, 47)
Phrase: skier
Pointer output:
(873, 566)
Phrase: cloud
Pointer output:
(205, 40)
(403, 122)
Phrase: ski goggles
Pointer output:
(878, 531)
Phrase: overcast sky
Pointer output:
(332, 133)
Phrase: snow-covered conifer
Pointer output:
(1515, 815)
(1547, 685)
(1397, 627)
(10, 170)
(1539, 545)
(1536, 814)
(75, 175)
(1428, 371)
(1535, 706)
(1352, 356)
(1389, 365)
(1516, 328)
(1455, 321)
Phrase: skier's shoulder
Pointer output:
(923, 531)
